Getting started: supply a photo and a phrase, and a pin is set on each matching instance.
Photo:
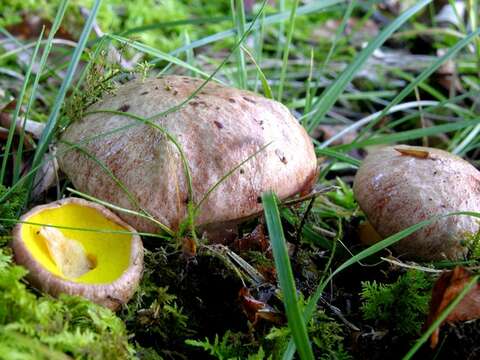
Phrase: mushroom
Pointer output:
(218, 129)
(104, 266)
(400, 186)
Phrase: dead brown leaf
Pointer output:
(255, 241)
(446, 289)
(256, 309)
(421, 154)
(31, 26)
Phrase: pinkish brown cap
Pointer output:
(118, 256)
(217, 130)
(399, 186)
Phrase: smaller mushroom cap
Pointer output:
(399, 186)
(117, 256)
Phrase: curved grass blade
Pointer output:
(411, 134)
(296, 321)
(164, 228)
(224, 177)
(339, 156)
(217, 69)
(34, 169)
(97, 230)
(331, 94)
(174, 23)
(426, 73)
(169, 136)
(312, 302)
(238, 17)
(441, 318)
(11, 130)
(157, 53)
(106, 169)
(286, 51)
(267, 91)
(33, 93)
(313, 7)
(53, 117)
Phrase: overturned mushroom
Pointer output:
(217, 130)
(103, 262)
(400, 186)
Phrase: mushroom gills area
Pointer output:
(105, 252)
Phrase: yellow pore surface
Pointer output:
(111, 251)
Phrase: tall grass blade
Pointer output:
(426, 73)
(11, 130)
(296, 321)
(53, 118)
(286, 50)
(18, 158)
(424, 338)
(331, 94)
(312, 302)
(267, 91)
(313, 7)
(160, 55)
(238, 14)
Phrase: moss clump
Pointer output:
(232, 346)
(34, 327)
(401, 306)
(325, 333)
(10, 207)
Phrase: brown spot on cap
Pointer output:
(124, 108)
(281, 156)
(231, 100)
(144, 93)
(249, 100)
(218, 124)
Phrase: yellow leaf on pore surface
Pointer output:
(68, 254)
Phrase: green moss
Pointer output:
(31, 326)
(232, 346)
(10, 207)
(401, 306)
(326, 335)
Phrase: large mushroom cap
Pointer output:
(400, 186)
(116, 254)
(218, 129)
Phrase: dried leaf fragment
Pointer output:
(446, 289)
(256, 309)
(421, 154)
(68, 254)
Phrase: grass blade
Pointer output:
(339, 156)
(426, 73)
(11, 130)
(53, 118)
(267, 91)
(160, 55)
(331, 94)
(411, 134)
(285, 277)
(238, 14)
(441, 318)
(18, 158)
(286, 52)
(313, 7)
(312, 302)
